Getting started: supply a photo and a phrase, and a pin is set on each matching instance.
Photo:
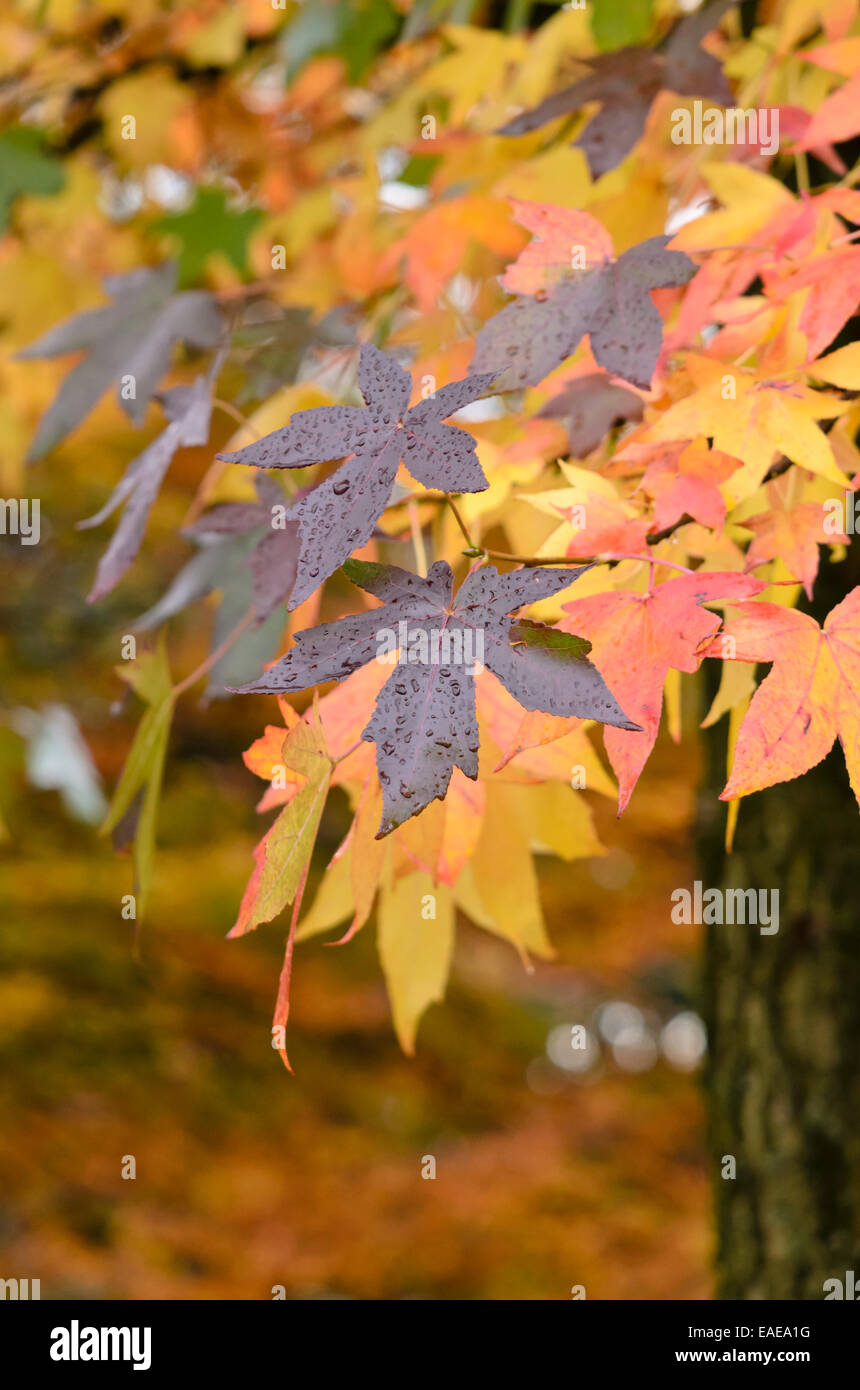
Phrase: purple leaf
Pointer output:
(312, 436)
(448, 399)
(131, 338)
(424, 721)
(626, 83)
(274, 560)
(626, 330)
(424, 725)
(527, 339)
(273, 564)
(530, 337)
(691, 71)
(590, 406)
(188, 409)
(339, 515)
(383, 383)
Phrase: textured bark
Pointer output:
(783, 1015)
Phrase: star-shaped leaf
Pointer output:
(270, 344)
(639, 638)
(806, 701)
(130, 339)
(209, 225)
(424, 723)
(608, 299)
(339, 515)
(188, 409)
(626, 83)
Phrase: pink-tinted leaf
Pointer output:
(612, 303)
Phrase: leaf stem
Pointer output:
(214, 657)
(460, 522)
(417, 539)
(282, 1003)
(655, 560)
(354, 748)
(235, 414)
(531, 559)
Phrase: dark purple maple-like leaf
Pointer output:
(590, 406)
(273, 562)
(132, 339)
(626, 82)
(188, 409)
(424, 722)
(338, 516)
(611, 302)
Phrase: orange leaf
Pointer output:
(558, 233)
(810, 697)
(636, 640)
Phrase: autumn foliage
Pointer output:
(506, 362)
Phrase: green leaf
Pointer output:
(620, 23)
(283, 854)
(26, 167)
(420, 169)
(529, 634)
(144, 766)
(355, 30)
(206, 227)
(334, 902)
(363, 572)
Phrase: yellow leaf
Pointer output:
(220, 42)
(415, 949)
(751, 199)
(138, 113)
(737, 683)
(149, 677)
(559, 820)
(368, 853)
(509, 901)
(840, 368)
(333, 903)
(752, 417)
(672, 694)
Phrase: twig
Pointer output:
(585, 560)
(654, 560)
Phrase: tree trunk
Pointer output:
(783, 1016)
